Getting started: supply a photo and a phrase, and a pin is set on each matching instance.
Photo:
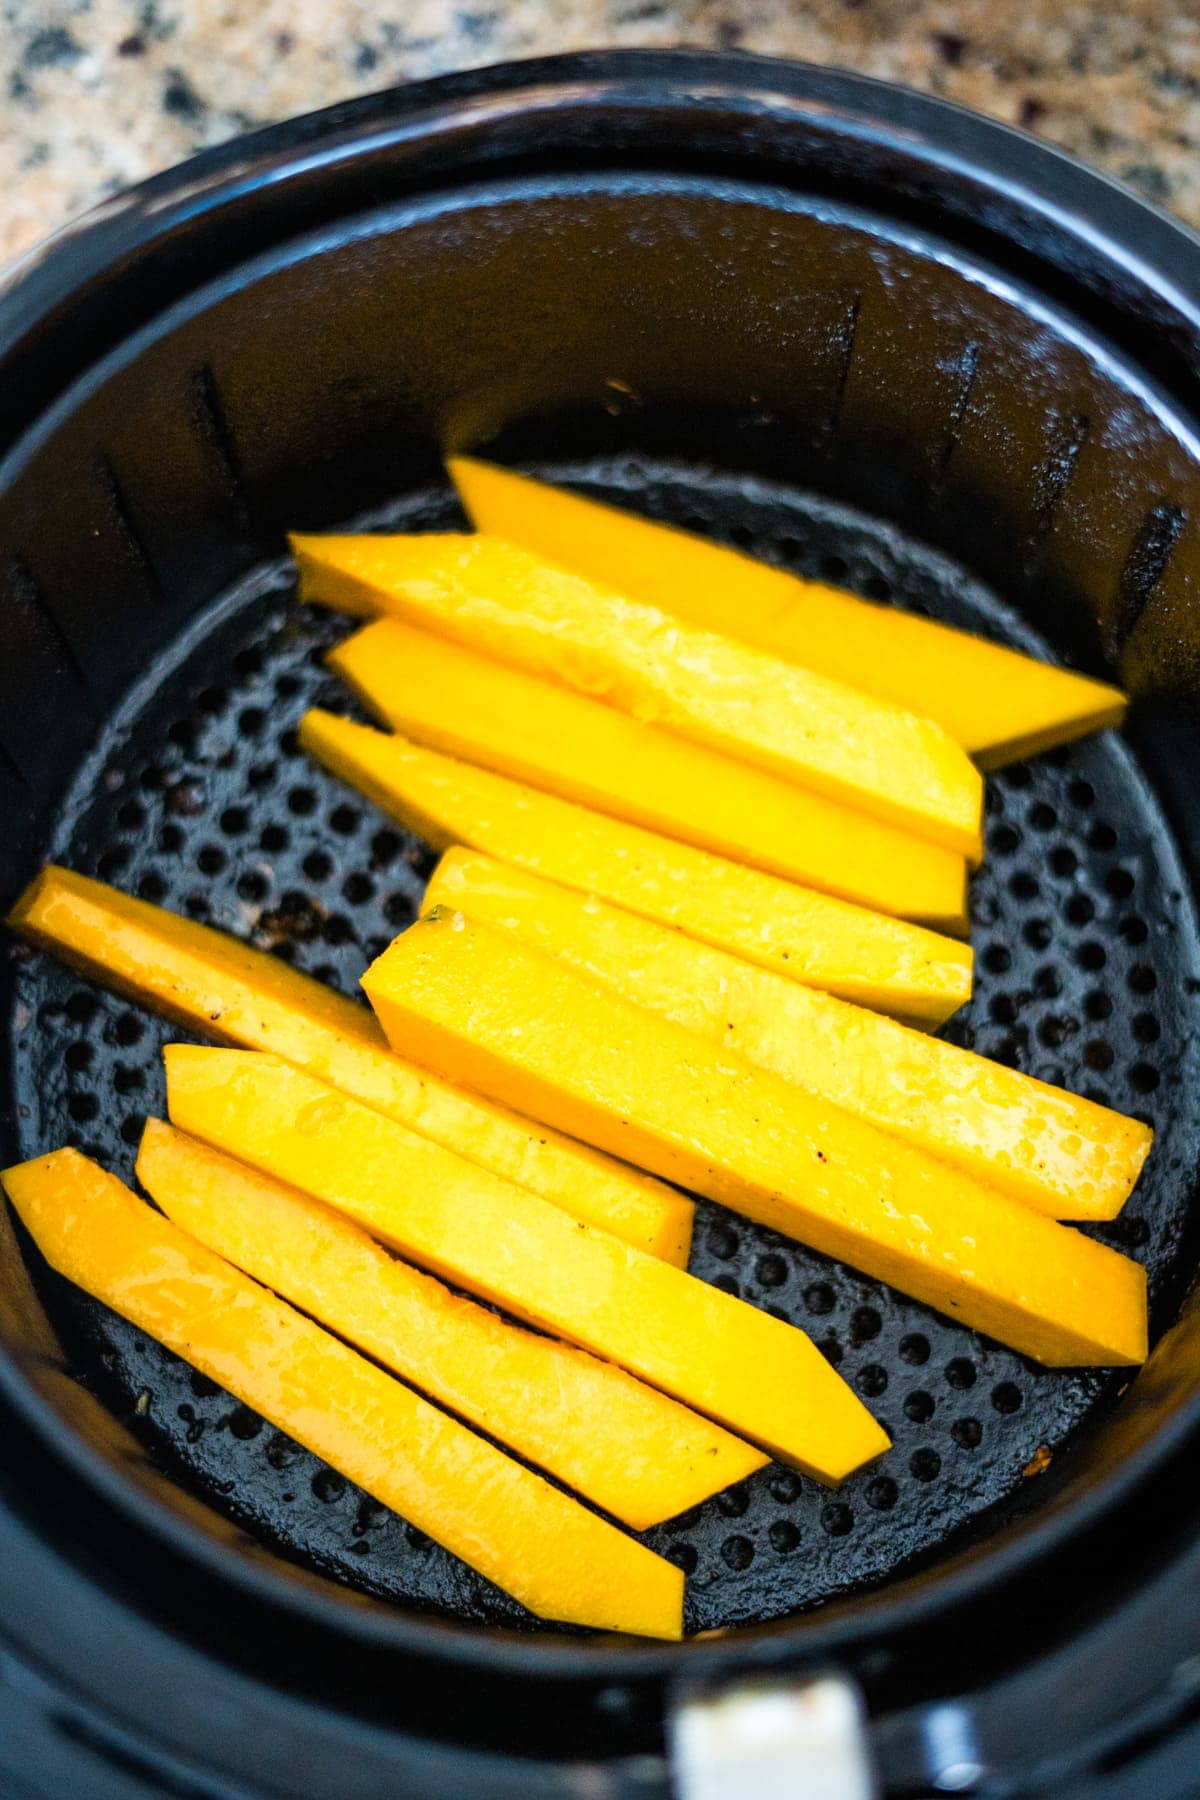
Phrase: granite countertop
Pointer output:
(99, 93)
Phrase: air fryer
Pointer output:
(867, 337)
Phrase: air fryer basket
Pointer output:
(762, 303)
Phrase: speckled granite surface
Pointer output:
(97, 93)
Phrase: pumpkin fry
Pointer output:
(504, 602)
(214, 984)
(1069, 1157)
(564, 743)
(757, 1376)
(594, 1063)
(552, 1554)
(631, 1450)
(866, 957)
(998, 703)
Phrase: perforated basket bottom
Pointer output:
(199, 798)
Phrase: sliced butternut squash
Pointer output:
(211, 983)
(506, 603)
(760, 1378)
(812, 938)
(1068, 1157)
(552, 1554)
(999, 704)
(565, 743)
(636, 1453)
(532, 1032)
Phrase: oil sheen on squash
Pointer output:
(590, 1061)
(558, 1558)
(503, 601)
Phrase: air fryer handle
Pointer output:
(773, 1740)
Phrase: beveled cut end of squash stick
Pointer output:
(211, 983)
(629, 1449)
(876, 961)
(558, 1558)
(999, 704)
